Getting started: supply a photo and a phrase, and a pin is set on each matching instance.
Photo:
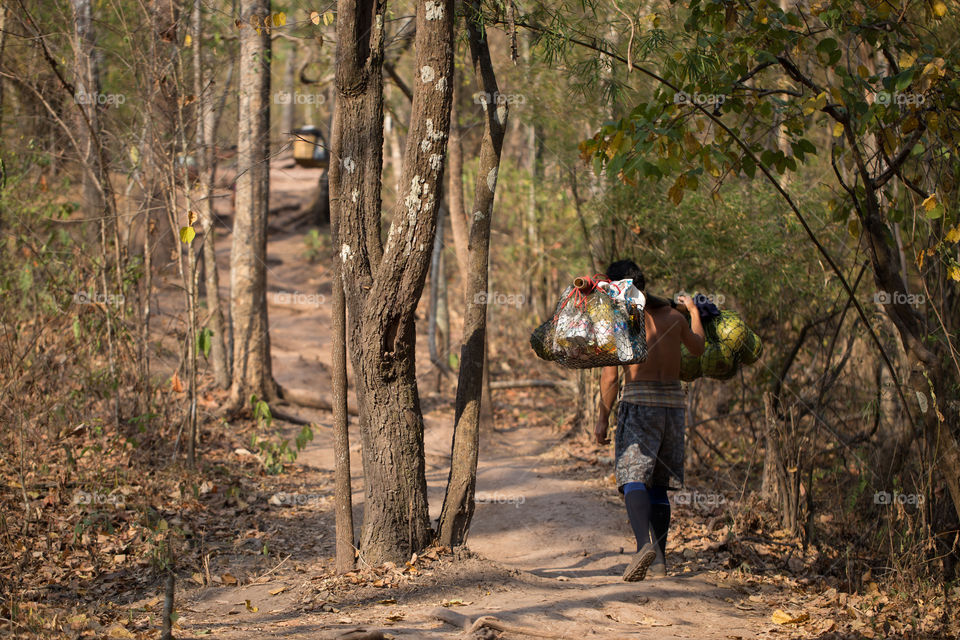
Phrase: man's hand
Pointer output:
(600, 430)
(687, 302)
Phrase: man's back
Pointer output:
(665, 333)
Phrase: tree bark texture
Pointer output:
(384, 281)
(252, 372)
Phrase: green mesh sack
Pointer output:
(731, 330)
(689, 365)
(752, 349)
(729, 344)
(718, 360)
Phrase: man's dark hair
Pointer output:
(627, 269)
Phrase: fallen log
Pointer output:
(305, 399)
(518, 384)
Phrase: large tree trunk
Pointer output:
(458, 503)
(384, 282)
(252, 372)
(207, 119)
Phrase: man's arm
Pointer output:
(609, 386)
(693, 336)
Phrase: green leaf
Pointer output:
(203, 341)
(187, 234)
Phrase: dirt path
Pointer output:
(546, 543)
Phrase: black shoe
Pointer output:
(637, 569)
(658, 569)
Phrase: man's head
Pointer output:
(627, 269)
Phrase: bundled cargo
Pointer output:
(596, 323)
(730, 343)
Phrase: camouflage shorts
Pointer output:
(649, 444)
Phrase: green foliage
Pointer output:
(274, 454)
(204, 343)
(812, 76)
(317, 245)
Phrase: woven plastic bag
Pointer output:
(590, 328)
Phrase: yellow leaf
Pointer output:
(920, 259)
(187, 40)
(119, 631)
(277, 591)
(250, 607)
(837, 129)
(930, 203)
(954, 273)
(328, 18)
(314, 17)
(953, 235)
(862, 71)
(187, 234)
(939, 9)
(782, 617)
(279, 19)
(907, 60)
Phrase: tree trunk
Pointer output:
(384, 282)
(343, 490)
(252, 372)
(458, 503)
(433, 321)
(287, 113)
(3, 45)
(87, 90)
(207, 120)
(458, 215)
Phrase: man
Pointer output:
(650, 421)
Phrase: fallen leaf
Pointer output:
(119, 631)
(278, 591)
(250, 607)
(228, 579)
(782, 617)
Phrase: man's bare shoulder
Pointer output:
(669, 315)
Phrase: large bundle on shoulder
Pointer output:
(596, 323)
(730, 343)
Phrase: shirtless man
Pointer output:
(650, 422)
